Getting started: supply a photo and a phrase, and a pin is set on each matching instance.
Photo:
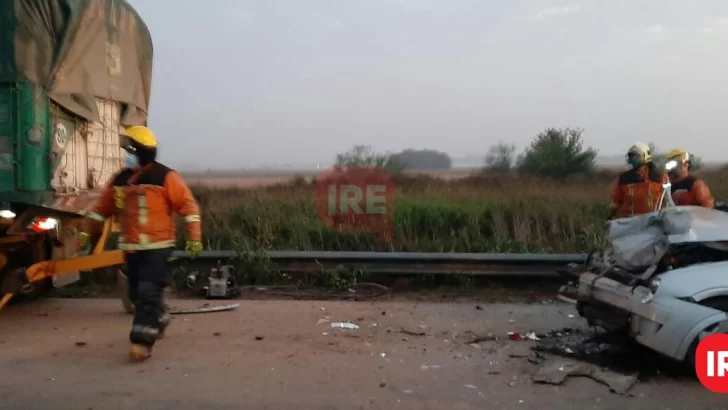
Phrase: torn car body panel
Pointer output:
(653, 281)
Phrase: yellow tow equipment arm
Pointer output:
(99, 258)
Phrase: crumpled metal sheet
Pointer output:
(557, 372)
(642, 240)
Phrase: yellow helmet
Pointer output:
(675, 158)
(141, 135)
(679, 155)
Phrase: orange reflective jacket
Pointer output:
(144, 202)
(689, 190)
(637, 191)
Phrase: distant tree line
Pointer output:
(409, 159)
(555, 152)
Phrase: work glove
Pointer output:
(84, 240)
(193, 247)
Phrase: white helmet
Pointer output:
(642, 149)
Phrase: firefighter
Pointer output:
(686, 189)
(144, 196)
(639, 189)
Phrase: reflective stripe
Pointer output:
(146, 330)
(630, 193)
(95, 216)
(165, 319)
(193, 218)
(650, 200)
(143, 210)
(143, 218)
(147, 246)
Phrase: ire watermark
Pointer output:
(711, 363)
(357, 199)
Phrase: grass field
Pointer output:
(455, 211)
(252, 179)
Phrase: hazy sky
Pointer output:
(244, 83)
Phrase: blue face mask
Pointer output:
(130, 160)
(635, 162)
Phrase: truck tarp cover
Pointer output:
(78, 50)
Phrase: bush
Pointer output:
(501, 157)
(423, 160)
(557, 153)
(365, 156)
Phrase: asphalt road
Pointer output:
(71, 354)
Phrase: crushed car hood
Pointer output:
(682, 224)
(641, 241)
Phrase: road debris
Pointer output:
(81, 344)
(205, 309)
(412, 333)
(425, 367)
(519, 351)
(557, 373)
(613, 351)
(475, 339)
(536, 358)
(344, 325)
(259, 338)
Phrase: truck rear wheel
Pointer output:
(32, 291)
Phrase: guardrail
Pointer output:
(410, 263)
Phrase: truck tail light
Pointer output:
(44, 224)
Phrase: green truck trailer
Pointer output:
(72, 72)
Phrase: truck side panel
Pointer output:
(31, 139)
(89, 152)
(7, 151)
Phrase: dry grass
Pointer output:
(253, 179)
(443, 213)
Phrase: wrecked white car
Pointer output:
(664, 281)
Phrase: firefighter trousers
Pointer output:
(148, 275)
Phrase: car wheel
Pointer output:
(719, 303)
